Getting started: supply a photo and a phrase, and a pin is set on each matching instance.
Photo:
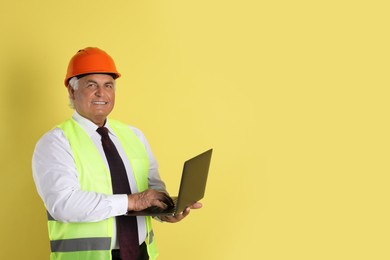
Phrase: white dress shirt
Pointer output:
(56, 179)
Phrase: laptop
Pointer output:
(192, 187)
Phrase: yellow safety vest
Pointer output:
(92, 240)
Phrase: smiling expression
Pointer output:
(94, 98)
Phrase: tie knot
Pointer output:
(103, 131)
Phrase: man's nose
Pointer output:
(99, 91)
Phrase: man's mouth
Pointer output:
(99, 102)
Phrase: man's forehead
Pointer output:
(97, 77)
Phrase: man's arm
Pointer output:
(156, 183)
(56, 179)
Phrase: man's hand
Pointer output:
(180, 216)
(148, 198)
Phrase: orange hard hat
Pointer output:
(91, 60)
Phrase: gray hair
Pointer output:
(74, 84)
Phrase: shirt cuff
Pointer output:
(119, 204)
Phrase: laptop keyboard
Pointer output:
(156, 209)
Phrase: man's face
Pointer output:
(95, 97)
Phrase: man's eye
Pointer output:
(91, 85)
(109, 86)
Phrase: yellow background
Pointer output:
(292, 95)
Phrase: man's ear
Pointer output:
(71, 92)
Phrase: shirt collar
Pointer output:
(89, 126)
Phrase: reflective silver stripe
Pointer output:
(151, 235)
(49, 217)
(81, 244)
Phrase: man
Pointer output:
(91, 170)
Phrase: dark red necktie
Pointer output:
(126, 225)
